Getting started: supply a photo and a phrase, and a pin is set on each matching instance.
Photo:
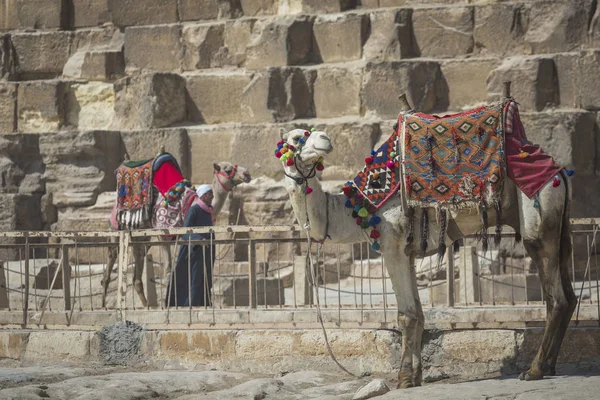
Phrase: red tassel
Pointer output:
(369, 160)
(320, 167)
(289, 162)
(375, 234)
(556, 182)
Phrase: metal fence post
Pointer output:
(450, 275)
(66, 277)
(26, 300)
(252, 273)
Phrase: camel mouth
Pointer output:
(246, 178)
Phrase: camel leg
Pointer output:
(138, 255)
(410, 315)
(549, 247)
(113, 253)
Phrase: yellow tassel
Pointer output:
(523, 154)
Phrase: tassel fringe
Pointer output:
(424, 230)
(498, 233)
(410, 213)
(484, 234)
(442, 238)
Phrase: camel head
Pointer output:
(302, 152)
(230, 175)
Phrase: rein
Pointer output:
(303, 178)
(228, 176)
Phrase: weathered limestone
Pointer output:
(500, 28)
(261, 137)
(534, 82)
(155, 48)
(259, 7)
(145, 144)
(443, 32)
(142, 12)
(588, 73)
(225, 99)
(21, 165)
(465, 81)
(208, 144)
(566, 135)
(77, 346)
(95, 65)
(19, 212)
(41, 14)
(90, 13)
(280, 42)
(575, 72)
(91, 106)
(13, 344)
(153, 100)
(383, 82)
(391, 36)
(202, 43)
(340, 37)
(278, 95)
(237, 37)
(8, 15)
(40, 106)
(41, 55)
(197, 10)
(80, 165)
(557, 26)
(8, 107)
(337, 92)
(106, 38)
(315, 6)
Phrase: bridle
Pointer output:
(302, 179)
(229, 177)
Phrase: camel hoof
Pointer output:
(527, 376)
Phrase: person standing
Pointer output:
(193, 271)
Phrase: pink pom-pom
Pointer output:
(369, 160)
(320, 167)
(308, 190)
(289, 162)
(390, 164)
(278, 154)
(556, 183)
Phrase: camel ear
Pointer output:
(217, 167)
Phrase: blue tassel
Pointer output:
(374, 220)
(373, 152)
(301, 140)
(357, 208)
(375, 246)
(536, 204)
(570, 172)
(348, 204)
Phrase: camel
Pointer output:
(226, 177)
(543, 226)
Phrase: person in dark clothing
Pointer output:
(193, 284)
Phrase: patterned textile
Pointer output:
(166, 173)
(456, 160)
(172, 215)
(134, 193)
(377, 181)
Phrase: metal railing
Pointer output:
(44, 274)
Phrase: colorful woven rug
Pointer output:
(456, 160)
(379, 179)
(172, 215)
(134, 193)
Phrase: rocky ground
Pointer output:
(127, 384)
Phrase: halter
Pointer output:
(302, 179)
(228, 176)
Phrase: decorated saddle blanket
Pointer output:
(172, 214)
(134, 192)
(455, 160)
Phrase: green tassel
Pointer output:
(363, 213)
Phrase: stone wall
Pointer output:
(86, 81)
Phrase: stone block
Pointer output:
(41, 55)
(568, 136)
(443, 32)
(58, 346)
(197, 345)
(588, 73)
(156, 48)
(384, 82)
(97, 65)
(142, 12)
(263, 137)
(90, 106)
(500, 29)
(153, 100)
(41, 105)
(199, 10)
(534, 82)
(90, 13)
(315, 6)
(8, 15)
(202, 43)
(12, 344)
(237, 37)
(391, 36)
(340, 37)
(466, 81)
(20, 212)
(8, 107)
(568, 67)
(352, 142)
(42, 14)
(259, 7)
(337, 92)
(80, 165)
(279, 42)
(226, 90)
(227, 292)
(144, 144)
(21, 164)
(278, 95)
(106, 38)
(557, 26)
(208, 145)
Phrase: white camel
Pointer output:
(545, 232)
(226, 177)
